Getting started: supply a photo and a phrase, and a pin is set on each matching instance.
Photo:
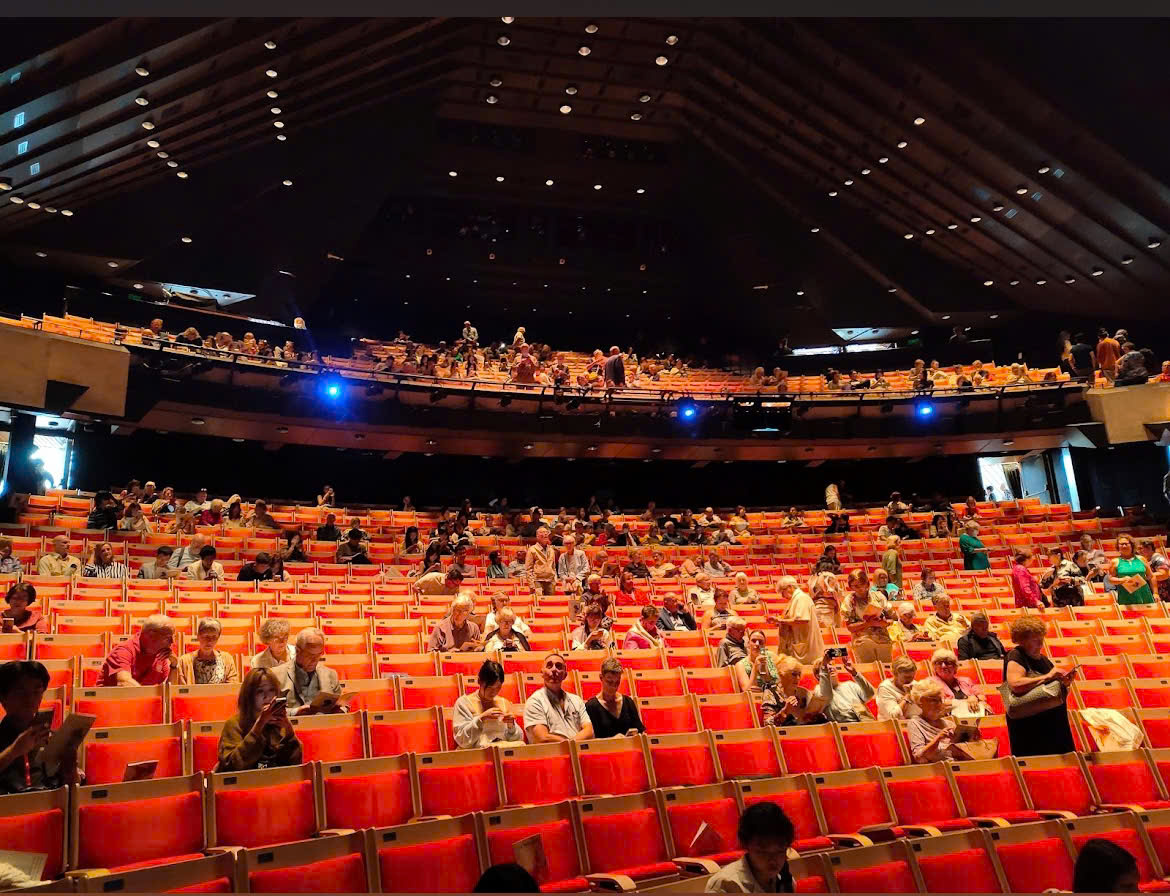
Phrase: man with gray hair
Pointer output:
(540, 564)
(188, 554)
(732, 649)
(143, 660)
(305, 677)
(457, 630)
(572, 565)
(979, 642)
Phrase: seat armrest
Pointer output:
(432, 818)
(696, 866)
(336, 832)
(1055, 813)
(877, 833)
(618, 882)
(1119, 807)
(223, 850)
(846, 841)
(921, 830)
(989, 821)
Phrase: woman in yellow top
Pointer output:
(206, 665)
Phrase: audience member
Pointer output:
(553, 714)
(702, 593)
(506, 877)
(274, 636)
(845, 701)
(353, 549)
(330, 532)
(103, 565)
(1159, 568)
(260, 734)
(505, 636)
(644, 634)
(105, 512)
(21, 615)
(866, 613)
(159, 567)
(798, 627)
(757, 672)
(828, 561)
(206, 665)
(766, 835)
(1046, 730)
(1103, 866)
(943, 625)
(496, 569)
(197, 504)
(1063, 581)
(540, 564)
(483, 717)
(959, 692)
(206, 567)
(674, 617)
(904, 629)
(259, 570)
(931, 731)
(501, 599)
(894, 699)
(457, 630)
(438, 582)
(716, 566)
(144, 659)
(719, 615)
(826, 595)
(794, 519)
(23, 734)
(973, 551)
(928, 587)
(1131, 574)
(1024, 585)
(732, 648)
(260, 518)
(572, 565)
(979, 642)
(796, 705)
(743, 593)
(133, 520)
(593, 633)
(304, 676)
(611, 713)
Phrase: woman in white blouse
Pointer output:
(893, 694)
(484, 717)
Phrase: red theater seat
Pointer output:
(1057, 784)
(405, 731)
(330, 738)
(810, 748)
(959, 862)
(262, 807)
(368, 793)
(204, 702)
(210, 874)
(873, 743)
(747, 753)
(852, 801)
(883, 868)
(37, 820)
(922, 795)
(794, 795)
(613, 766)
(992, 788)
(324, 865)
(687, 808)
(537, 774)
(428, 856)
(726, 712)
(1123, 829)
(668, 715)
(623, 835)
(107, 751)
(1034, 857)
(122, 706)
(554, 825)
(683, 759)
(1125, 778)
(458, 782)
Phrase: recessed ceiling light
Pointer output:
(832, 192)
(141, 100)
(198, 421)
(883, 160)
(1041, 282)
(271, 73)
(1070, 279)
(671, 40)
(500, 179)
(152, 143)
(975, 219)
(1154, 242)
(496, 81)
(988, 282)
(998, 207)
(491, 99)
(590, 28)
(902, 144)
(892, 289)
(142, 71)
(815, 230)
(272, 94)
(16, 199)
(163, 154)
(849, 182)
(635, 116)
(952, 226)
(66, 213)
(182, 175)
(661, 60)
(50, 210)
(914, 332)
(865, 171)
(1013, 283)
(549, 182)
(1127, 259)
(186, 239)
(1097, 272)
(644, 98)
(1021, 190)
(111, 264)
(800, 292)
(452, 174)
(566, 108)
(237, 440)
(42, 255)
(287, 182)
(1043, 169)
(172, 164)
(278, 124)
(583, 50)
(946, 317)
(275, 110)
(929, 231)
(34, 205)
(503, 40)
(148, 125)
(920, 120)
(907, 236)
(270, 45)
(597, 186)
(281, 137)
(138, 286)
(507, 20)
(640, 190)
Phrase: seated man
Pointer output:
(159, 567)
(944, 626)
(438, 582)
(457, 630)
(732, 648)
(143, 660)
(553, 714)
(637, 565)
(702, 593)
(259, 570)
(517, 569)
(206, 567)
(845, 701)
(329, 531)
(59, 562)
(979, 642)
(673, 617)
(716, 566)
(187, 554)
(22, 688)
(261, 518)
(459, 562)
(353, 549)
(305, 676)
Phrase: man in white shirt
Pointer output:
(572, 565)
(552, 714)
(470, 333)
(59, 562)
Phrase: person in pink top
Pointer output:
(644, 635)
(143, 660)
(1024, 584)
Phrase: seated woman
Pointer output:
(593, 633)
(134, 520)
(719, 614)
(644, 634)
(928, 587)
(757, 672)
(611, 712)
(505, 636)
(828, 561)
(21, 615)
(500, 600)
(932, 731)
(22, 733)
(274, 635)
(260, 734)
(893, 694)
(743, 593)
(794, 519)
(905, 628)
(206, 665)
(627, 594)
(291, 551)
(484, 717)
(795, 705)
(961, 697)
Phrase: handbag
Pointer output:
(1040, 699)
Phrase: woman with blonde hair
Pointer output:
(893, 695)
(867, 615)
(932, 731)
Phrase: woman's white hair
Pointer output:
(926, 687)
(943, 653)
(787, 582)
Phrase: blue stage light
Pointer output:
(924, 409)
(687, 411)
(331, 388)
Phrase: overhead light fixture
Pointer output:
(946, 317)
(640, 190)
(507, 20)
(975, 219)
(920, 120)
(271, 73)
(50, 210)
(671, 40)
(1007, 443)
(907, 236)
(287, 182)
(800, 292)
(42, 255)
(566, 108)
(1013, 283)
(849, 182)
(635, 116)
(500, 179)
(281, 137)
(661, 60)
(583, 50)
(491, 99)
(275, 110)
(1154, 242)
(16, 199)
(988, 282)
(865, 171)
(929, 231)
(186, 239)
(883, 160)
(952, 226)
(182, 175)
(832, 192)
(597, 186)
(1097, 272)
(152, 143)
(914, 332)
(644, 98)
(815, 230)
(993, 317)
(496, 81)
(1127, 259)
(1021, 190)
(1044, 169)
(998, 207)
(272, 94)
(142, 101)
(892, 289)
(902, 144)
(65, 212)
(270, 45)
(1041, 282)
(590, 28)
(503, 40)
(138, 286)
(111, 264)
(198, 421)
(163, 154)
(278, 124)
(571, 89)
(1070, 279)
(549, 182)
(452, 174)
(148, 125)
(172, 164)
(142, 71)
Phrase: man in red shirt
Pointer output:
(143, 660)
(1024, 584)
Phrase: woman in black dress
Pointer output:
(1024, 668)
(611, 712)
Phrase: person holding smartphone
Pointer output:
(260, 734)
(25, 729)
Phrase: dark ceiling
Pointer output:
(693, 163)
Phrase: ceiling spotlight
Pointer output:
(198, 421)
(1014, 283)
(865, 171)
(907, 236)
(270, 45)
(500, 179)
(549, 182)
(278, 124)
(50, 210)
(281, 137)
(186, 239)
(507, 20)
(1041, 282)
(975, 219)
(34, 205)
(492, 99)
(111, 264)
(1070, 279)
(1127, 259)
(571, 89)
(892, 289)
(503, 40)
(640, 190)
(182, 175)
(142, 71)
(1021, 190)
(148, 125)
(141, 100)
(644, 98)
(66, 213)
(152, 143)
(988, 282)
(635, 116)
(1097, 272)
(815, 230)
(272, 94)
(275, 110)
(590, 28)
(584, 50)
(946, 317)
(172, 164)
(163, 154)
(914, 332)
(1043, 169)
(287, 182)
(16, 199)
(998, 207)
(566, 108)
(1154, 242)
(832, 192)
(920, 120)
(929, 231)
(452, 174)
(883, 160)
(849, 182)
(138, 286)
(528, 446)
(42, 255)
(902, 144)
(661, 60)
(800, 292)
(496, 81)
(597, 186)
(271, 73)
(952, 226)
(671, 40)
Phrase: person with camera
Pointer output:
(260, 734)
(845, 701)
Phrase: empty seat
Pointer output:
(324, 865)
(1034, 857)
(993, 788)
(370, 694)
(958, 862)
(262, 807)
(882, 868)
(923, 795)
(1151, 693)
(659, 682)
(119, 826)
(688, 808)
(852, 801)
(118, 706)
(683, 759)
(203, 743)
(562, 872)
(441, 856)
(726, 712)
(710, 681)
(368, 793)
(793, 794)
(810, 748)
(107, 751)
(331, 738)
(1125, 778)
(405, 731)
(204, 702)
(668, 715)
(623, 835)
(873, 743)
(613, 766)
(747, 753)
(1156, 724)
(458, 782)
(538, 773)
(1057, 784)
(423, 692)
(37, 821)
